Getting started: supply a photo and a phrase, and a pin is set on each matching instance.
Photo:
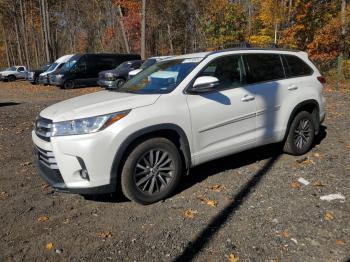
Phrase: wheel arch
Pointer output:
(170, 131)
(311, 106)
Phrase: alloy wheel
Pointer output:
(154, 171)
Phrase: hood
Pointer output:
(135, 72)
(113, 71)
(7, 72)
(95, 104)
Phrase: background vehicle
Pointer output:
(54, 68)
(148, 62)
(12, 73)
(115, 78)
(33, 75)
(83, 69)
(179, 113)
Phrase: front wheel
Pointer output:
(301, 134)
(11, 78)
(69, 84)
(119, 82)
(151, 171)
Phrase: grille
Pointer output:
(46, 158)
(43, 128)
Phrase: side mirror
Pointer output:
(205, 84)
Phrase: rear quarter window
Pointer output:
(296, 67)
(263, 67)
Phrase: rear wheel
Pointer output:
(151, 171)
(301, 134)
(69, 84)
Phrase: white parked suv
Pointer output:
(176, 114)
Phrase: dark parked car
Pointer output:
(115, 78)
(33, 75)
(83, 69)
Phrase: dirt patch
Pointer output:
(252, 206)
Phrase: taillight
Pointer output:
(322, 79)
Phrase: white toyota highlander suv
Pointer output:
(176, 114)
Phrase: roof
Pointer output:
(206, 54)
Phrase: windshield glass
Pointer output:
(148, 63)
(12, 68)
(45, 67)
(68, 65)
(52, 67)
(124, 65)
(161, 78)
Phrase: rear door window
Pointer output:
(295, 66)
(263, 67)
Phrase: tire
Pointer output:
(119, 82)
(69, 84)
(301, 134)
(11, 78)
(145, 185)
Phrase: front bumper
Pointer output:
(106, 84)
(43, 80)
(60, 162)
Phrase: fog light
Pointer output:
(84, 174)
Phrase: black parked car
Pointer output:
(115, 78)
(83, 69)
(33, 75)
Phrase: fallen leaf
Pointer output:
(318, 184)
(285, 233)
(347, 146)
(66, 221)
(190, 213)
(43, 218)
(340, 242)
(28, 163)
(49, 246)
(104, 235)
(233, 258)
(212, 203)
(44, 186)
(206, 200)
(216, 188)
(3, 195)
(295, 185)
(328, 216)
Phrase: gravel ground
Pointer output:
(248, 206)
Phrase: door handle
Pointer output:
(247, 98)
(292, 87)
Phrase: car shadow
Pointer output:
(215, 167)
(9, 104)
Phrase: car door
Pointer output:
(223, 121)
(265, 74)
(21, 72)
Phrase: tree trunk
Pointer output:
(24, 33)
(170, 40)
(120, 21)
(143, 30)
(343, 27)
(6, 47)
(19, 49)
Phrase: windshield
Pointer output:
(124, 65)
(12, 68)
(161, 78)
(148, 63)
(45, 67)
(52, 67)
(68, 65)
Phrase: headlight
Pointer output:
(86, 125)
(109, 77)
